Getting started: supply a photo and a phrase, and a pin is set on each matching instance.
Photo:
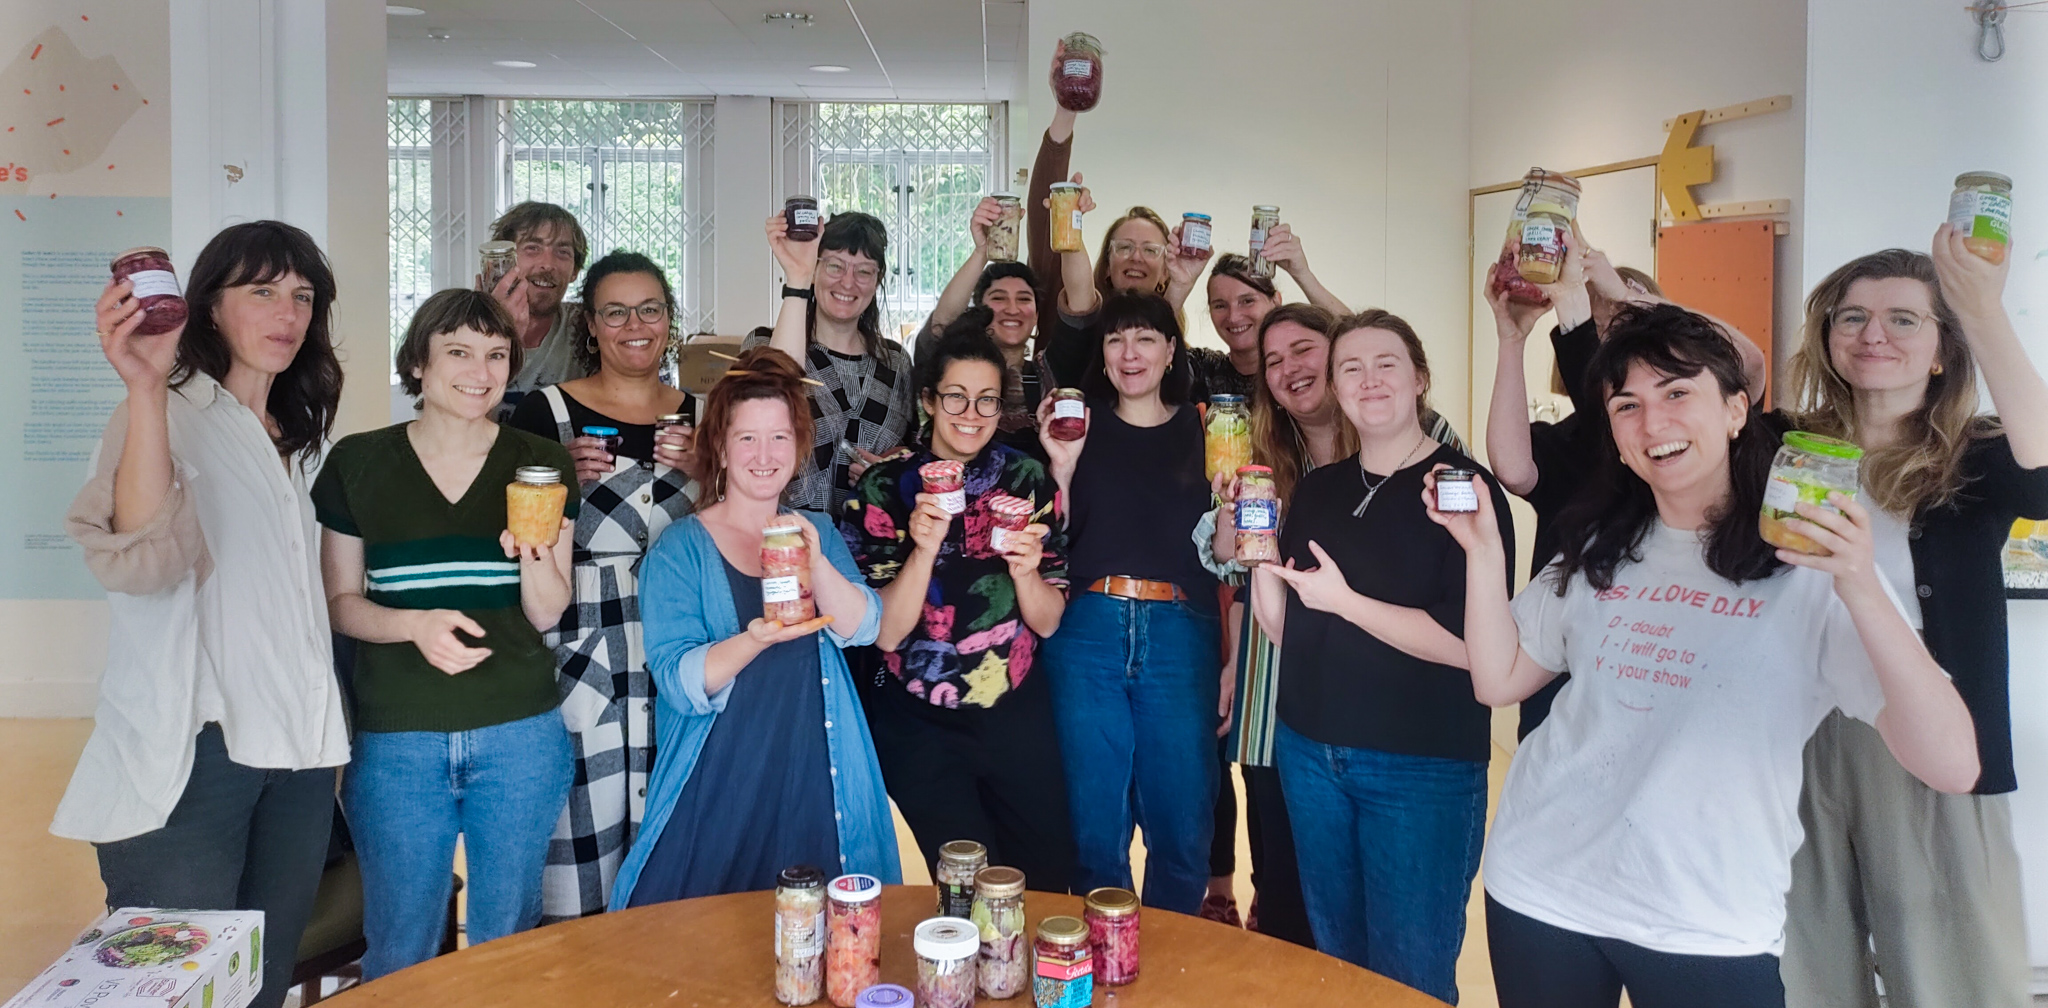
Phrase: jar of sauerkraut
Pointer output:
(799, 935)
(947, 948)
(533, 505)
(1981, 211)
(1258, 515)
(1807, 468)
(999, 914)
(786, 572)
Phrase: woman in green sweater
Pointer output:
(457, 732)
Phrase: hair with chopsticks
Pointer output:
(759, 373)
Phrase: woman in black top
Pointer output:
(1133, 666)
(1381, 746)
(1007, 292)
(1892, 347)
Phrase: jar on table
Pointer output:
(1544, 214)
(946, 951)
(801, 217)
(1196, 230)
(1008, 517)
(959, 860)
(1227, 436)
(153, 283)
(533, 505)
(1002, 235)
(999, 915)
(786, 573)
(946, 480)
(1257, 516)
(1807, 468)
(1113, 934)
(853, 937)
(1063, 967)
(494, 260)
(799, 935)
(1264, 219)
(1981, 211)
(1065, 214)
(1078, 84)
(1069, 415)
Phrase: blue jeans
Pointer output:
(1388, 846)
(1134, 699)
(408, 794)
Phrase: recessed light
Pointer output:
(790, 19)
(515, 64)
(438, 34)
(831, 68)
(397, 11)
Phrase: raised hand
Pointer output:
(143, 362)
(798, 259)
(1471, 529)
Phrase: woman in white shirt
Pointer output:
(1645, 835)
(208, 782)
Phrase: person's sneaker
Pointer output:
(1222, 909)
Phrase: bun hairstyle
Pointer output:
(760, 373)
(1239, 268)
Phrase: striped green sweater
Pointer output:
(421, 552)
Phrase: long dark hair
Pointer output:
(1125, 310)
(864, 235)
(618, 261)
(998, 271)
(1604, 526)
(305, 396)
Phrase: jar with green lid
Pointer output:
(1981, 211)
(1807, 468)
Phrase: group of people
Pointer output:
(611, 721)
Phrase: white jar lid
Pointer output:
(854, 888)
(946, 938)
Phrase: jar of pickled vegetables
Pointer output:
(1981, 211)
(1007, 518)
(1065, 214)
(786, 572)
(799, 935)
(1195, 234)
(999, 913)
(1063, 967)
(1002, 235)
(1543, 215)
(1113, 934)
(947, 949)
(533, 505)
(1806, 468)
(1069, 415)
(853, 937)
(959, 861)
(1258, 515)
(494, 259)
(945, 480)
(153, 283)
(1227, 436)
(1264, 218)
(1078, 83)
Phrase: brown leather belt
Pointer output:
(1139, 588)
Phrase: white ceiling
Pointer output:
(922, 50)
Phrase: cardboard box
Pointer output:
(176, 958)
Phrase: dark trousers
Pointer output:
(987, 774)
(1276, 875)
(240, 838)
(1223, 845)
(1536, 965)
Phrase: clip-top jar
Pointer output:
(1113, 934)
(153, 282)
(1264, 219)
(947, 949)
(1257, 513)
(799, 935)
(1806, 468)
(1002, 235)
(1069, 415)
(1543, 215)
(786, 572)
(853, 937)
(959, 861)
(1981, 211)
(1063, 967)
(1226, 436)
(533, 505)
(1077, 84)
(999, 913)
(1065, 214)
(1196, 231)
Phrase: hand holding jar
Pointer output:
(143, 362)
(1973, 286)
(1187, 255)
(929, 523)
(797, 257)
(1062, 445)
(675, 438)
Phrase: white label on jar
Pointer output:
(999, 538)
(1077, 220)
(1258, 515)
(1456, 495)
(153, 283)
(804, 941)
(1076, 68)
(1976, 214)
(1258, 238)
(1194, 236)
(953, 501)
(803, 217)
(1539, 232)
(1068, 409)
(782, 589)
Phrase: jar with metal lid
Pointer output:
(1195, 233)
(533, 505)
(1544, 213)
(801, 219)
(1002, 235)
(853, 937)
(1981, 211)
(1069, 415)
(999, 913)
(1077, 84)
(946, 951)
(1807, 468)
(494, 260)
(1113, 934)
(1264, 218)
(153, 283)
(799, 935)
(1455, 492)
(1063, 966)
(1065, 214)
(1226, 436)
(786, 572)
(959, 860)
(1257, 514)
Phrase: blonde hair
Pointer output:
(1142, 213)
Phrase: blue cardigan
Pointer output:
(685, 607)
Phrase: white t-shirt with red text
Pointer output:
(1658, 804)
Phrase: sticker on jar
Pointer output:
(1077, 68)
(1456, 496)
(803, 217)
(787, 588)
(1539, 232)
(802, 941)
(999, 539)
(153, 283)
(952, 501)
(1258, 515)
(1971, 213)
(1258, 239)
(1069, 409)
(1783, 495)
(1077, 220)
(1194, 236)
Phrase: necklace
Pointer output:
(1373, 489)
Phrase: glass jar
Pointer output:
(1455, 493)
(853, 937)
(944, 479)
(1806, 468)
(1226, 436)
(1195, 234)
(885, 996)
(1069, 415)
(533, 505)
(610, 436)
(999, 914)
(1002, 235)
(153, 282)
(1065, 198)
(802, 219)
(959, 860)
(1257, 516)
(1007, 518)
(1981, 211)
(946, 950)
(1113, 934)
(1264, 218)
(1063, 967)
(1543, 215)
(799, 935)
(1078, 85)
(494, 260)
(786, 572)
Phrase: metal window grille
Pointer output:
(412, 210)
(921, 168)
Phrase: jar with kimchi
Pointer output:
(786, 572)
(153, 282)
(853, 937)
(533, 505)
(1112, 916)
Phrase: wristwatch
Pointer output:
(807, 293)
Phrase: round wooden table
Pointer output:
(716, 952)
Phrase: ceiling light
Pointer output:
(831, 68)
(397, 11)
(438, 34)
(515, 64)
(790, 19)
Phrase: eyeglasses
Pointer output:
(615, 315)
(955, 404)
(1124, 248)
(866, 276)
(1851, 320)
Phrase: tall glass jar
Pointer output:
(999, 913)
(533, 505)
(1257, 515)
(959, 860)
(799, 935)
(1981, 211)
(153, 283)
(1065, 214)
(853, 937)
(1002, 235)
(1544, 214)
(1227, 436)
(1077, 84)
(786, 572)
(1806, 468)
(1264, 218)
(1113, 934)
(947, 948)
(1063, 968)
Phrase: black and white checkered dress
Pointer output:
(601, 665)
(867, 401)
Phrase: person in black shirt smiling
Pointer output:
(1381, 746)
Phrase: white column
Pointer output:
(743, 164)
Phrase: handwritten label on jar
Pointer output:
(1539, 232)
(153, 283)
(1194, 236)
(781, 589)
(1258, 515)
(1077, 220)
(1973, 214)
(801, 940)
(953, 502)
(1069, 409)
(1456, 495)
(1077, 68)
(803, 217)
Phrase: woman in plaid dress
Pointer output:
(630, 496)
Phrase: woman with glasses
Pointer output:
(1923, 886)
(629, 497)
(1007, 291)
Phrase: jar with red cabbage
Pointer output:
(1077, 84)
(153, 282)
(786, 572)
(1069, 415)
(947, 948)
(853, 937)
(1113, 934)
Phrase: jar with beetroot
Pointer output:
(800, 215)
(1113, 934)
(1069, 415)
(153, 282)
(1077, 84)
(786, 572)
(853, 937)
(945, 480)
(1258, 516)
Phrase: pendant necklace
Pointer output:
(1373, 489)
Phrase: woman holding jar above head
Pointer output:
(764, 759)
(208, 780)
(1239, 299)
(1007, 291)
(629, 498)
(1927, 883)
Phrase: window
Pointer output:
(921, 168)
(412, 211)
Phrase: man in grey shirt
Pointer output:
(551, 249)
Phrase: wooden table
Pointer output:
(716, 952)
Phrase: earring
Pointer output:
(1937, 368)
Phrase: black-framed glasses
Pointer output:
(955, 404)
(615, 315)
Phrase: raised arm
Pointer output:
(1502, 673)
(960, 290)
(1055, 154)
(799, 261)
(1283, 249)
(1974, 289)
(1508, 449)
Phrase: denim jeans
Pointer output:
(409, 794)
(1134, 699)
(1388, 846)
